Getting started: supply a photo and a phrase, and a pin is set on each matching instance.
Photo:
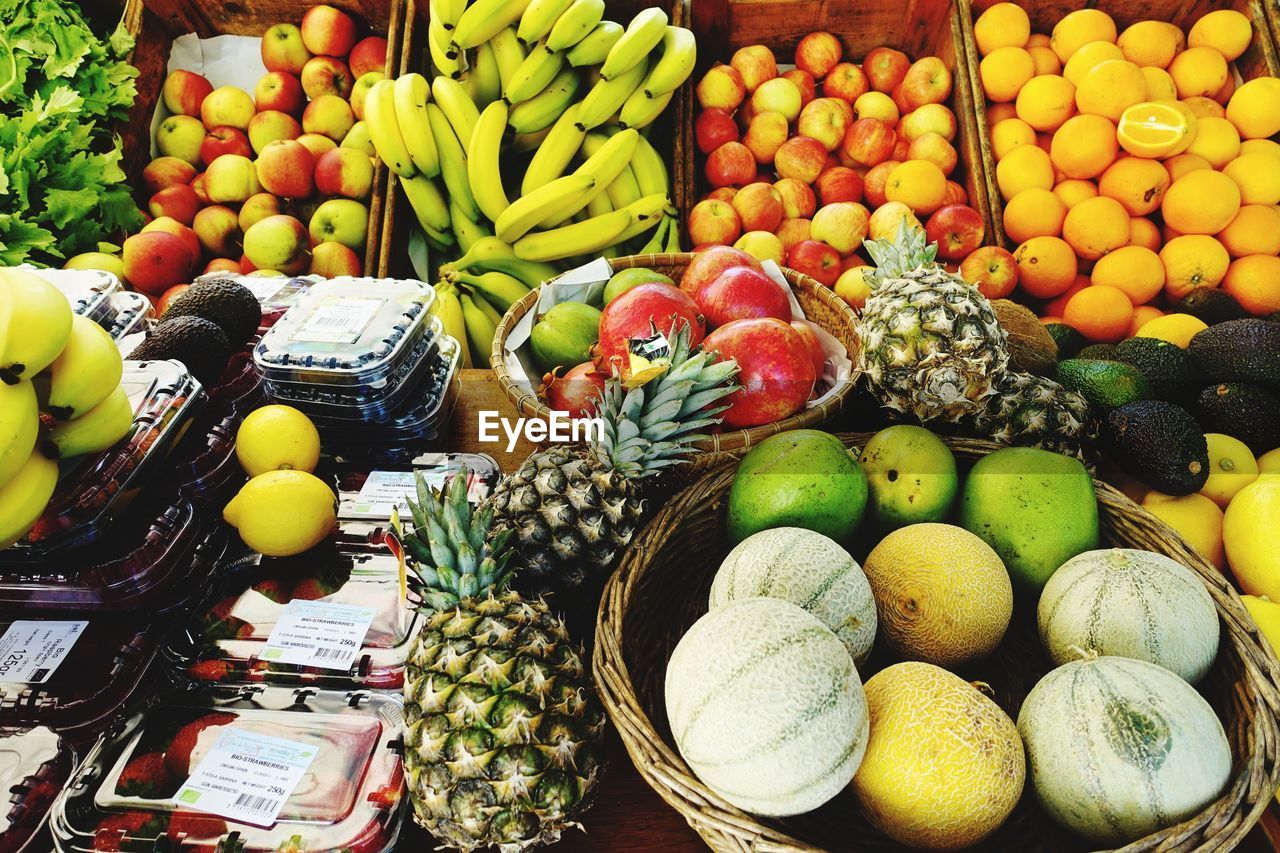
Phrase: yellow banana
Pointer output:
(428, 204)
(526, 142)
(94, 431)
(439, 240)
(673, 238)
(607, 157)
(640, 110)
(358, 138)
(623, 190)
(537, 71)
(484, 71)
(607, 96)
(453, 162)
(556, 152)
(528, 211)
(480, 330)
(35, 324)
(508, 52)
(462, 112)
(19, 423)
(529, 273)
(484, 170)
(384, 129)
(447, 12)
(487, 308)
(579, 238)
(679, 55)
(643, 34)
(645, 213)
(498, 289)
(539, 18)
(649, 169)
(85, 372)
(448, 65)
(575, 24)
(411, 93)
(24, 497)
(656, 239)
(484, 19)
(540, 112)
(484, 249)
(468, 231)
(449, 310)
(595, 47)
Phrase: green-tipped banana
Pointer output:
(508, 52)
(672, 246)
(531, 274)
(645, 213)
(484, 249)
(607, 96)
(656, 239)
(608, 156)
(537, 71)
(384, 129)
(453, 162)
(35, 324)
(480, 330)
(580, 238)
(641, 111)
(411, 93)
(484, 170)
(594, 48)
(468, 231)
(575, 24)
(527, 212)
(446, 64)
(539, 18)
(541, 111)
(82, 376)
(452, 98)
(447, 12)
(623, 190)
(449, 310)
(19, 423)
(429, 205)
(679, 56)
(486, 76)
(24, 498)
(643, 34)
(649, 169)
(484, 19)
(499, 289)
(439, 240)
(94, 431)
(487, 308)
(556, 152)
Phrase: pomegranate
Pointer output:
(815, 346)
(775, 370)
(635, 314)
(709, 263)
(577, 392)
(740, 293)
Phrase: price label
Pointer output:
(338, 320)
(384, 491)
(318, 633)
(246, 776)
(31, 651)
(264, 288)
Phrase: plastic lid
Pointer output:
(35, 765)
(90, 292)
(133, 315)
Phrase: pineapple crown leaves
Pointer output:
(455, 551)
(906, 252)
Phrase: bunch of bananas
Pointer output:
(550, 96)
(60, 375)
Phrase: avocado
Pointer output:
(1068, 339)
(1158, 443)
(1098, 352)
(1211, 305)
(198, 343)
(1105, 384)
(1240, 351)
(229, 304)
(1242, 411)
(1171, 374)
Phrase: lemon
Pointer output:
(1231, 468)
(276, 438)
(1267, 614)
(1248, 532)
(1175, 328)
(1195, 518)
(1269, 462)
(282, 513)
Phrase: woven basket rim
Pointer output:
(529, 405)
(1222, 824)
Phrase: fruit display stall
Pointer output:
(846, 300)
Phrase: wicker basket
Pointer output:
(820, 305)
(661, 588)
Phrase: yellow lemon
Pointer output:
(1226, 31)
(277, 438)
(1196, 519)
(282, 513)
(1266, 613)
(1248, 533)
(1175, 328)
(1269, 462)
(1260, 146)
(1231, 468)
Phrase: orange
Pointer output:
(1080, 27)
(1191, 261)
(1226, 31)
(1037, 40)
(1202, 107)
(1260, 146)
(997, 113)
(1198, 71)
(1100, 313)
(1142, 314)
(1159, 84)
(1110, 88)
(1022, 168)
(1004, 71)
(1255, 108)
(1135, 271)
(1084, 146)
(1072, 191)
(1002, 25)
(919, 184)
(1058, 304)
(1045, 59)
(1177, 329)
(1045, 102)
(1201, 202)
(1258, 177)
(1136, 183)
(1156, 129)
(1087, 58)
(1009, 134)
(1046, 266)
(1223, 95)
(1254, 281)
(1034, 212)
(1096, 226)
(1254, 231)
(1144, 232)
(1216, 140)
(1149, 43)
(1181, 164)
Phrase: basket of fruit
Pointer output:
(859, 659)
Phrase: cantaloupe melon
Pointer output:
(766, 706)
(1132, 604)
(1120, 748)
(944, 765)
(809, 570)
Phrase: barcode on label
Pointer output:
(330, 654)
(333, 322)
(248, 802)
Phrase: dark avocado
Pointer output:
(1243, 411)
(1211, 305)
(1158, 443)
(232, 306)
(1240, 351)
(198, 343)
(1171, 374)
(1105, 384)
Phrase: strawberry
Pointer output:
(109, 836)
(195, 825)
(209, 670)
(318, 587)
(272, 589)
(145, 776)
(178, 755)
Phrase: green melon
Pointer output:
(1121, 748)
(1132, 604)
(809, 570)
(766, 707)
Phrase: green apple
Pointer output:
(912, 476)
(231, 179)
(113, 264)
(358, 138)
(278, 243)
(361, 88)
(181, 137)
(341, 220)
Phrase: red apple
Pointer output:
(178, 202)
(765, 135)
(957, 229)
(842, 226)
(344, 172)
(218, 230)
(369, 54)
(221, 265)
(724, 194)
(165, 172)
(875, 181)
(246, 265)
(885, 68)
(817, 53)
(713, 128)
(825, 120)
(325, 75)
(804, 82)
(755, 64)
(185, 233)
(635, 314)
(317, 144)
(155, 261)
(278, 90)
(955, 194)
(577, 392)
(838, 183)
(992, 270)
(927, 81)
(224, 140)
(722, 86)
(712, 221)
(759, 207)
(731, 164)
(846, 81)
(815, 259)
(708, 264)
(801, 158)
(778, 95)
(331, 260)
(797, 199)
(930, 118)
(327, 31)
(775, 370)
(162, 304)
(813, 343)
(328, 115)
(740, 293)
(901, 149)
(184, 92)
(257, 208)
(869, 141)
(283, 49)
(794, 231)
(197, 186)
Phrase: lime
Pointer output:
(282, 513)
(276, 438)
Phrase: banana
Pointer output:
(656, 239)
(537, 71)
(679, 55)
(526, 142)
(623, 190)
(439, 240)
(410, 95)
(438, 46)
(673, 238)
(607, 96)
(480, 329)
(82, 376)
(484, 170)
(507, 52)
(488, 79)
(649, 169)
(487, 308)
(643, 34)
(24, 497)
(462, 112)
(556, 152)
(19, 423)
(575, 24)
(484, 249)
(529, 273)
(645, 213)
(528, 211)
(94, 431)
(598, 206)
(428, 204)
(447, 12)
(468, 231)
(498, 289)
(580, 238)
(453, 162)
(449, 310)
(605, 161)
(595, 47)
(640, 110)
(541, 111)
(35, 324)
(384, 129)
(484, 19)
(539, 18)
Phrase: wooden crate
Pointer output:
(1259, 60)
(919, 29)
(665, 135)
(156, 23)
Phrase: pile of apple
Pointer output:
(804, 179)
(240, 174)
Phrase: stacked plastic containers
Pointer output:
(35, 764)
(98, 295)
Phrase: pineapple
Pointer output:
(931, 344)
(573, 509)
(1031, 411)
(502, 725)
